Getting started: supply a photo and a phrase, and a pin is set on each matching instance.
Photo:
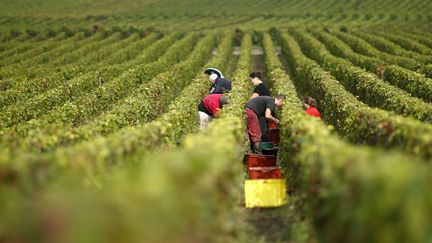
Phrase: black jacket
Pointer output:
(220, 86)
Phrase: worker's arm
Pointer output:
(253, 96)
(269, 116)
(216, 114)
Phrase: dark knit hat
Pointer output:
(223, 100)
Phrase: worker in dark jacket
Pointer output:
(220, 84)
(261, 106)
(209, 108)
(260, 88)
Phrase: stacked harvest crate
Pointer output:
(266, 186)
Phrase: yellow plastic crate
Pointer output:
(265, 193)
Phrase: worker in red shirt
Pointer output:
(309, 104)
(209, 108)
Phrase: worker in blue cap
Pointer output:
(220, 84)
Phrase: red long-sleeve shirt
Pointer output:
(312, 111)
(211, 104)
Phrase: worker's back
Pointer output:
(260, 104)
(220, 86)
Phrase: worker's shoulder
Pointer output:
(264, 97)
(214, 96)
(223, 80)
